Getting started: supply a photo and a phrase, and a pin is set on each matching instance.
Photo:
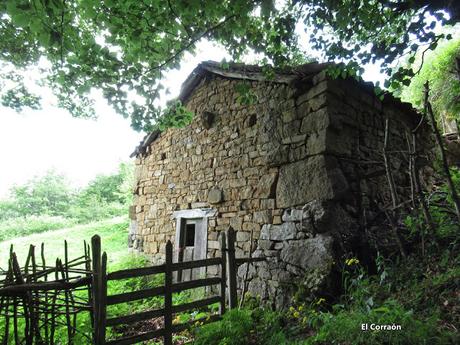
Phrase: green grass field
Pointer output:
(113, 233)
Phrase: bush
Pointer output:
(245, 326)
(95, 209)
(344, 327)
(233, 329)
(400, 294)
(271, 327)
(8, 209)
(23, 226)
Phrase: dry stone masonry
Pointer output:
(300, 171)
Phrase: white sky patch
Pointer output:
(39, 140)
(35, 141)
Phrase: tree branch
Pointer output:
(190, 44)
(453, 191)
(394, 196)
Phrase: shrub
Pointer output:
(233, 329)
(105, 196)
(95, 209)
(270, 327)
(344, 327)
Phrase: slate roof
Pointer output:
(247, 72)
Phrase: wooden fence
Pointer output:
(42, 302)
(39, 302)
(228, 270)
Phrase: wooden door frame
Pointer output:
(201, 232)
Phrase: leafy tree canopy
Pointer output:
(124, 47)
(116, 187)
(48, 194)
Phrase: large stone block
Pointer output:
(262, 217)
(266, 186)
(310, 253)
(265, 232)
(278, 155)
(285, 231)
(317, 143)
(317, 177)
(316, 121)
(258, 288)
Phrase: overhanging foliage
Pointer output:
(124, 48)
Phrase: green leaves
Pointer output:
(440, 70)
(246, 95)
(115, 46)
(175, 115)
(267, 7)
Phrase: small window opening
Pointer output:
(190, 235)
(163, 156)
(252, 120)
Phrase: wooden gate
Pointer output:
(226, 282)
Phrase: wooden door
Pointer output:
(191, 236)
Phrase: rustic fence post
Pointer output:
(231, 269)
(89, 276)
(223, 272)
(103, 298)
(168, 295)
(96, 294)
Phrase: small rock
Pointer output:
(265, 244)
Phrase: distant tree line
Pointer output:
(52, 195)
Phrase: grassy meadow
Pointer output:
(113, 233)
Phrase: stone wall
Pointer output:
(224, 167)
(301, 172)
(333, 189)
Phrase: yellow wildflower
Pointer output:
(352, 261)
(321, 300)
(296, 314)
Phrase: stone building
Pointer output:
(294, 163)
